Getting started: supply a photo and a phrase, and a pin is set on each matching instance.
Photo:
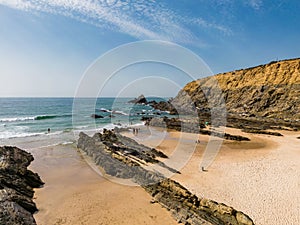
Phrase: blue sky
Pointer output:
(46, 46)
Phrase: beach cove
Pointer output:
(253, 177)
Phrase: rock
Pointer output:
(257, 131)
(243, 219)
(266, 93)
(164, 106)
(103, 110)
(189, 126)
(140, 100)
(118, 155)
(16, 187)
(96, 116)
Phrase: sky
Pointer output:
(48, 46)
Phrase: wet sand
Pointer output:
(75, 194)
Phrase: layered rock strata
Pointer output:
(16, 187)
(124, 158)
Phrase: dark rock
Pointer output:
(117, 156)
(164, 106)
(16, 187)
(96, 116)
(140, 100)
(190, 127)
(257, 131)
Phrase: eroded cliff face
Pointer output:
(269, 91)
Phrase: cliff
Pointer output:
(16, 187)
(268, 91)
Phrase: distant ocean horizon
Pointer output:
(28, 119)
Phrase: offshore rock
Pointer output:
(140, 100)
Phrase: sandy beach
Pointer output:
(259, 177)
(75, 194)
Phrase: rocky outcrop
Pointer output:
(140, 100)
(164, 106)
(257, 131)
(187, 208)
(16, 187)
(96, 116)
(190, 126)
(268, 91)
(124, 158)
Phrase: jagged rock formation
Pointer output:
(96, 116)
(16, 187)
(268, 91)
(140, 100)
(256, 131)
(164, 106)
(124, 158)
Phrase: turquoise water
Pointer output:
(31, 117)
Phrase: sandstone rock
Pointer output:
(243, 219)
(265, 91)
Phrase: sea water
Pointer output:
(26, 121)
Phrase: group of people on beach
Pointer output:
(135, 131)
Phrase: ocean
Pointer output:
(25, 121)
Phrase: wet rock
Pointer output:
(96, 116)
